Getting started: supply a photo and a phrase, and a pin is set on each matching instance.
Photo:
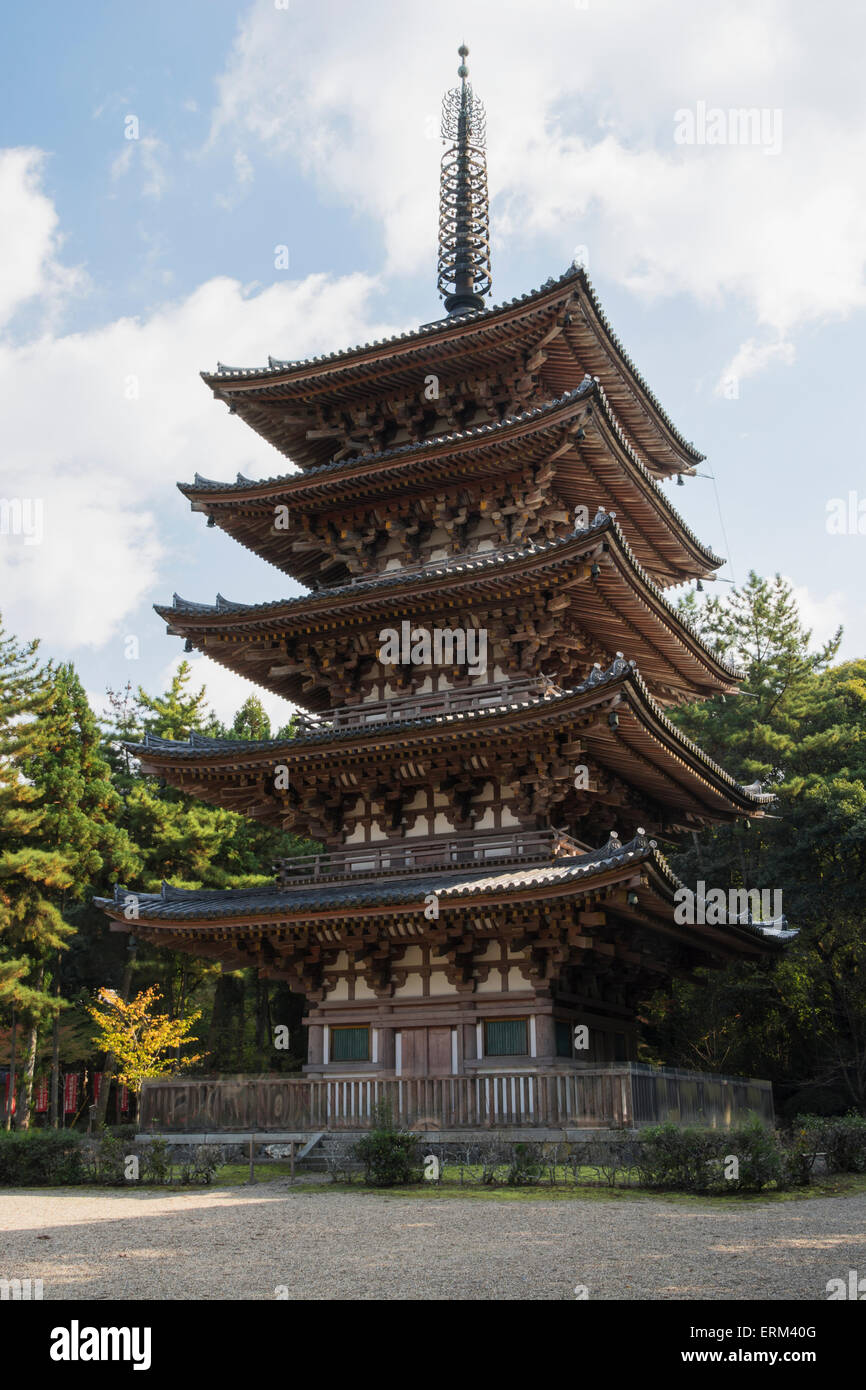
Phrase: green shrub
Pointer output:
(798, 1155)
(526, 1166)
(390, 1156)
(201, 1166)
(156, 1163)
(841, 1137)
(41, 1158)
(107, 1160)
(687, 1160)
(759, 1157)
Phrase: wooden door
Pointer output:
(426, 1052)
(439, 1051)
(414, 1060)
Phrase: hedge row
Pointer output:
(665, 1158)
(64, 1158)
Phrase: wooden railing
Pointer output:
(419, 706)
(619, 1096)
(419, 856)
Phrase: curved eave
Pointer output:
(221, 918)
(646, 751)
(682, 664)
(584, 342)
(592, 470)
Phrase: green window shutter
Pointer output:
(563, 1037)
(350, 1044)
(505, 1037)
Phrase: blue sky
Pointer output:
(143, 261)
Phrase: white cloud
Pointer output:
(821, 616)
(99, 425)
(581, 137)
(29, 238)
(753, 357)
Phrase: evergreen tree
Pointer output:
(191, 843)
(176, 713)
(251, 721)
(799, 1019)
(81, 814)
(31, 873)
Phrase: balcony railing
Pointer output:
(419, 856)
(622, 1095)
(431, 702)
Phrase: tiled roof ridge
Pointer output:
(618, 670)
(484, 560)
(611, 854)
(277, 366)
(588, 387)
(452, 885)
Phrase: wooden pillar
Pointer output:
(545, 1038)
(387, 1046)
(315, 1044)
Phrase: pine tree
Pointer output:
(81, 813)
(801, 1019)
(176, 713)
(31, 874)
(251, 721)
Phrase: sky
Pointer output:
(160, 164)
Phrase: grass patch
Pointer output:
(841, 1185)
(236, 1174)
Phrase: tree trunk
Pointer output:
(55, 1053)
(25, 1095)
(110, 1059)
(10, 1094)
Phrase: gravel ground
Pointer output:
(242, 1243)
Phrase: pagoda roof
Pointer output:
(563, 320)
(313, 908)
(668, 765)
(667, 647)
(603, 461)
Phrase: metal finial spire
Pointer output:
(464, 214)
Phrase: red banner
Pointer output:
(70, 1093)
(124, 1100)
(41, 1096)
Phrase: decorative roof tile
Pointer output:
(176, 905)
(619, 670)
(590, 386)
(471, 564)
(576, 274)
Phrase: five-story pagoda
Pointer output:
(483, 662)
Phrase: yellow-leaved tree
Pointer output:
(144, 1042)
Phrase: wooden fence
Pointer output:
(620, 1096)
